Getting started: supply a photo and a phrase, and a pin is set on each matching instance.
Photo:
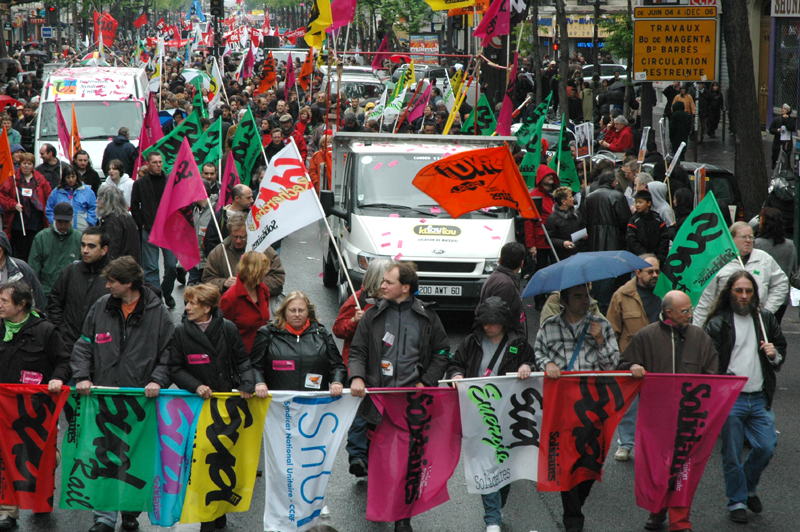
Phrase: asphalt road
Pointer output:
(610, 507)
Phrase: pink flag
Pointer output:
(174, 227)
(249, 63)
(496, 22)
(413, 453)
(343, 13)
(230, 178)
(505, 119)
(290, 80)
(419, 105)
(150, 134)
(64, 137)
(680, 417)
(377, 61)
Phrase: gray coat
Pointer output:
(113, 351)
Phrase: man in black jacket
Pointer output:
(27, 127)
(51, 168)
(737, 326)
(385, 355)
(120, 148)
(79, 286)
(145, 199)
(504, 283)
(83, 168)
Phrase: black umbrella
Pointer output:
(618, 85)
(9, 60)
(36, 52)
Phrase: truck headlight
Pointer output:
(490, 265)
(365, 258)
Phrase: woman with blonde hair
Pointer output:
(246, 303)
(296, 352)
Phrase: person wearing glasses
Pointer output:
(772, 283)
(670, 345)
(737, 325)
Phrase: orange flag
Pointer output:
(304, 79)
(75, 142)
(477, 179)
(6, 162)
(268, 77)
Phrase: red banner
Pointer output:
(161, 25)
(576, 435)
(413, 453)
(476, 179)
(680, 417)
(28, 435)
(106, 25)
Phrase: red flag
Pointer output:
(377, 61)
(475, 179)
(265, 27)
(304, 79)
(504, 120)
(141, 21)
(496, 22)
(75, 138)
(268, 77)
(290, 80)
(414, 452)
(578, 425)
(174, 227)
(679, 419)
(230, 178)
(6, 162)
(107, 25)
(161, 25)
(28, 435)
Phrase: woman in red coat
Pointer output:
(25, 205)
(247, 302)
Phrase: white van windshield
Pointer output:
(96, 119)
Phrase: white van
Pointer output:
(105, 99)
(376, 212)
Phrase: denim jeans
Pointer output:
(357, 441)
(195, 276)
(627, 426)
(150, 265)
(493, 503)
(748, 418)
(110, 518)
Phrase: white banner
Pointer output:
(504, 447)
(302, 434)
(285, 202)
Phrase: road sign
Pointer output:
(675, 12)
(37, 20)
(8, 27)
(47, 32)
(675, 49)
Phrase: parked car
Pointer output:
(606, 71)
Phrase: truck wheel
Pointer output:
(344, 290)
(330, 275)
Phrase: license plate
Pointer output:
(440, 290)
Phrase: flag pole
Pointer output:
(219, 232)
(21, 217)
(410, 104)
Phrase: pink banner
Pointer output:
(680, 417)
(377, 61)
(150, 134)
(495, 22)
(419, 105)
(230, 178)
(249, 63)
(414, 452)
(290, 79)
(343, 13)
(64, 137)
(174, 227)
(505, 118)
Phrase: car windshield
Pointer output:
(358, 89)
(608, 70)
(551, 136)
(96, 119)
(722, 189)
(384, 181)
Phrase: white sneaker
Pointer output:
(622, 454)
(325, 512)
(492, 528)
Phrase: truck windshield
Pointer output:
(96, 119)
(386, 180)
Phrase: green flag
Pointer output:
(197, 102)
(109, 451)
(563, 163)
(701, 248)
(246, 146)
(528, 167)
(487, 122)
(530, 132)
(208, 148)
(169, 146)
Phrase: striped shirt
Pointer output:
(555, 342)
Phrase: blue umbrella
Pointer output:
(583, 268)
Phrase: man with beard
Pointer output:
(671, 344)
(633, 307)
(737, 326)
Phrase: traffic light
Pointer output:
(555, 46)
(217, 8)
(50, 15)
(458, 22)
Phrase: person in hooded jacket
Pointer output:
(683, 205)
(296, 352)
(116, 177)
(647, 232)
(81, 197)
(120, 149)
(535, 240)
(680, 126)
(660, 194)
(564, 222)
(55, 248)
(12, 269)
(115, 220)
(493, 348)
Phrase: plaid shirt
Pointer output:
(556, 342)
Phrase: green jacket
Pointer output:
(51, 252)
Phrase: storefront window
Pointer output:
(787, 57)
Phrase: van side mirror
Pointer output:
(326, 199)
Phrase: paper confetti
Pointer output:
(387, 233)
(422, 220)
(393, 163)
(398, 256)
(394, 215)
(488, 228)
(321, 274)
(495, 238)
(436, 210)
(107, 104)
(378, 166)
(385, 244)
(399, 244)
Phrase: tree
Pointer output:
(750, 166)
(563, 63)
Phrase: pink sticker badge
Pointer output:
(436, 210)
(201, 358)
(394, 215)
(283, 365)
(393, 163)
(102, 338)
(378, 166)
(30, 377)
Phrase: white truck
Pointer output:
(105, 99)
(376, 212)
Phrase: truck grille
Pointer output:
(446, 267)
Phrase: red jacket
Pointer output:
(622, 140)
(8, 198)
(301, 145)
(344, 327)
(237, 307)
(534, 230)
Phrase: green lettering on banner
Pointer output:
(246, 146)
(208, 148)
(701, 248)
(563, 163)
(169, 146)
(197, 102)
(109, 451)
(487, 122)
(482, 398)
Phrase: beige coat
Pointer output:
(216, 270)
(626, 313)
